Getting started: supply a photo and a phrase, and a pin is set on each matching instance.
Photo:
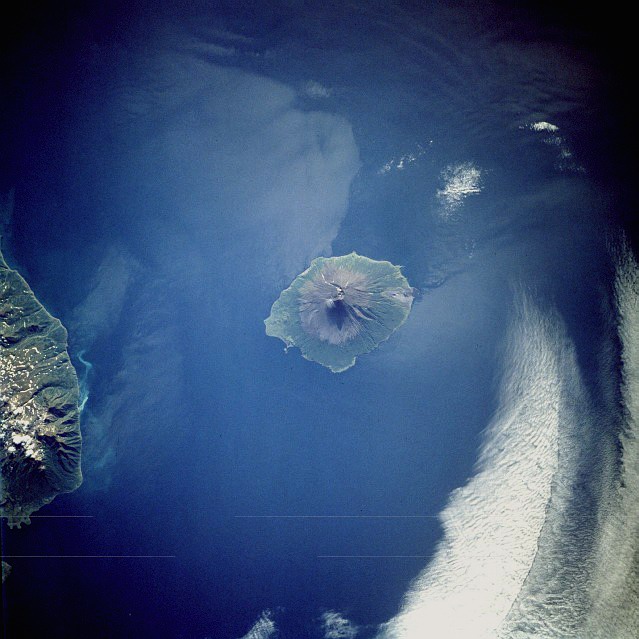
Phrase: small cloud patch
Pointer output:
(401, 162)
(459, 181)
(263, 628)
(564, 160)
(544, 126)
(316, 91)
(337, 626)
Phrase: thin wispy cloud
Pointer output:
(7, 206)
(336, 626)
(228, 36)
(219, 50)
(142, 395)
(316, 91)
(99, 312)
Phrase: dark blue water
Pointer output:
(166, 191)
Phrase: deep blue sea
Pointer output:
(172, 168)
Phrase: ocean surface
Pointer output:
(167, 171)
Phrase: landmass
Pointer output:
(340, 308)
(40, 442)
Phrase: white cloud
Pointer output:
(263, 628)
(459, 181)
(337, 626)
(493, 523)
(614, 610)
(564, 161)
(403, 161)
(544, 126)
(543, 540)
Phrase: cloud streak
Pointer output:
(615, 593)
(543, 540)
(492, 525)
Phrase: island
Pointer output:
(340, 308)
